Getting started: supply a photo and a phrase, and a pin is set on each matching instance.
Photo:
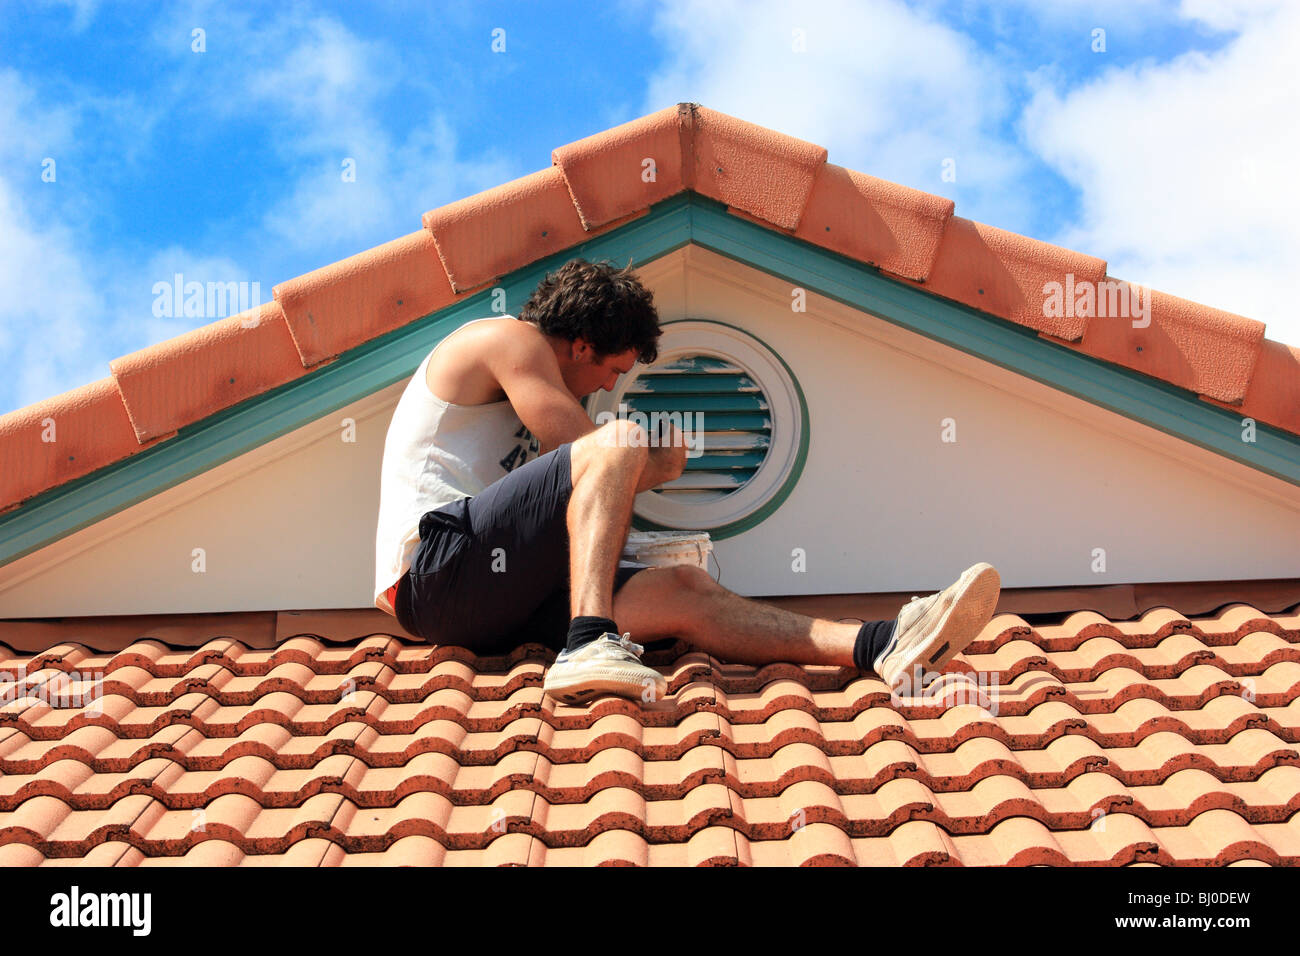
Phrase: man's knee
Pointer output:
(621, 433)
(690, 577)
(616, 441)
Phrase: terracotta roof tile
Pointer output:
(63, 438)
(1193, 346)
(169, 385)
(346, 304)
(626, 169)
(1168, 738)
(1004, 273)
(487, 235)
(597, 184)
(755, 170)
(1273, 393)
(875, 221)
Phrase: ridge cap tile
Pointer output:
(596, 184)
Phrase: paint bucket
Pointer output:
(661, 549)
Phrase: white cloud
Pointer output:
(33, 127)
(888, 90)
(83, 11)
(1185, 169)
(318, 92)
(311, 89)
(1182, 167)
(163, 266)
(46, 296)
(325, 75)
(1228, 14)
(68, 307)
(47, 303)
(1077, 16)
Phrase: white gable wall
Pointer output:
(1034, 483)
(288, 526)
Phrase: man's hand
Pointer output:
(667, 457)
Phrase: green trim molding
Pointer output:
(675, 222)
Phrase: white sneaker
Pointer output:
(608, 665)
(932, 630)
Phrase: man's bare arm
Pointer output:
(526, 369)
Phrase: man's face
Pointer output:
(591, 373)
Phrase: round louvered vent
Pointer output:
(744, 418)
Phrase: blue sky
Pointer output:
(1169, 153)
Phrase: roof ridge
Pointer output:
(595, 185)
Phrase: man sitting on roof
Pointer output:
(504, 511)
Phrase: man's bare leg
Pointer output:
(686, 602)
(609, 469)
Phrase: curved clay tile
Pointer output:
(63, 438)
(187, 378)
(339, 307)
(490, 234)
(597, 184)
(1204, 350)
(628, 168)
(796, 775)
(880, 223)
(1273, 393)
(1005, 274)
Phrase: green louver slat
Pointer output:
(694, 364)
(697, 403)
(727, 382)
(708, 479)
(736, 421)
(720, 397)
(708, 462)
(735, 441)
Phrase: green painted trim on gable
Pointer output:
(1152, 402)
(681, 219)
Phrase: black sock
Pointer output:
(873, 637)
(584, 630)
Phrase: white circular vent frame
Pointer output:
(731, 512)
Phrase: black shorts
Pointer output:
(491, 572)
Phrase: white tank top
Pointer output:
(435, 453)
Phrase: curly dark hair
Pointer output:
(606, 306)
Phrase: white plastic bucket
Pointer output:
(661, 549)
